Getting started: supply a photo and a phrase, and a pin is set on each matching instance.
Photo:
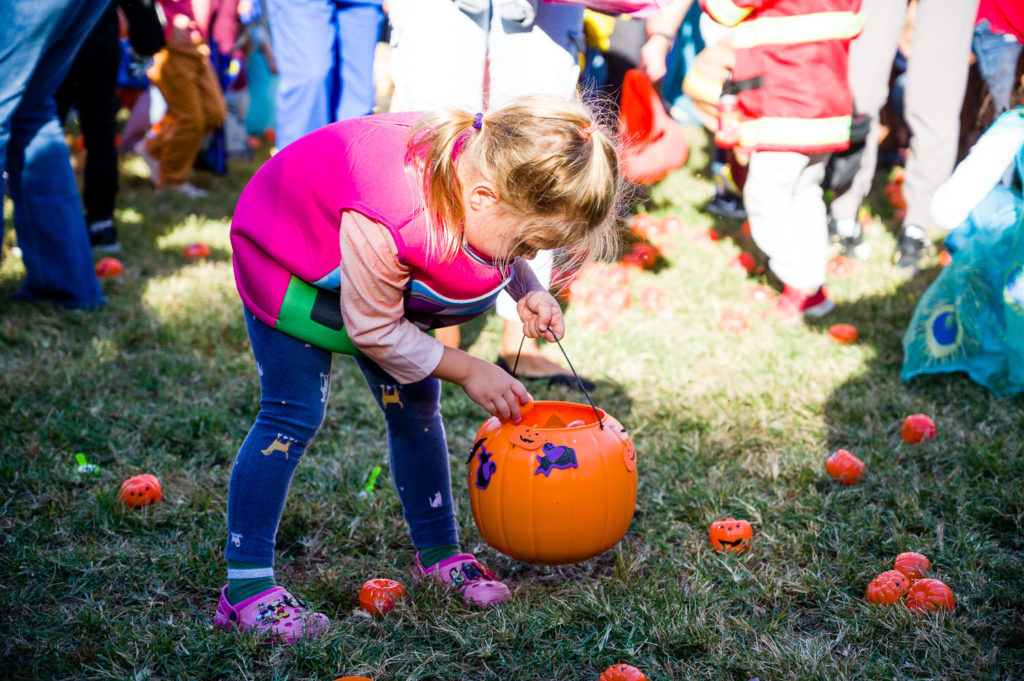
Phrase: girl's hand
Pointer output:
(541, 315)
(495, 390)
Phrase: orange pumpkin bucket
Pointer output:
(557, 488)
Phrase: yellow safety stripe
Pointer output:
(804, 132)
(725, 12)
(805, 28)
(697, 86)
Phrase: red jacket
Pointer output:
(792, 70)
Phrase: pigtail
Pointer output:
(433, 147)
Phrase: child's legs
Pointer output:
(173, 72)
(294, 383)
(418, 453)
(784, 203)
(212, 103)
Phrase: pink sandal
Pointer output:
(275, 611)
(477, 584)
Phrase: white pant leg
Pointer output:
(438, 55)
(784, 204)
(541, 60)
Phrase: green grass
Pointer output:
(161, 381)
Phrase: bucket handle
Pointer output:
(600, 423)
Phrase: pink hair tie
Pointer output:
(589, 130)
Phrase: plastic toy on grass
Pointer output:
(926, 595)
(622, 672)
(840, 267)
(887, 588)
(743, 262)
(733, 321)
(913, 565)
(730, 534)
(141, 490)
(353, 678)
(109, 267)
(83, 467)
(760, 294)
(557, 488)
(844, 467)
(197, 250)
(843, 333)
(917, 428)
(378, 596)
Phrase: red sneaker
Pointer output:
(792, 303)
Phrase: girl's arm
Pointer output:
(372, 286)
(538, 309)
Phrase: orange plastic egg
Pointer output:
(197, 250)
(917, 428)
(109, 267)
(378, 596)
(730, 535)
(887, 588)
(913, 565)
(141, 490)
(743, 262)
(926, 595)
(843, 333)
(733, 321)
(844, 467)
(840, 267)
(622, 672)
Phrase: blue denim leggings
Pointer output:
(294, 384)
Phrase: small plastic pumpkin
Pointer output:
(197, 250)
(843, 333)
(378, 596)
(887, 588)
(141, 490)
(622, 672)
(844, 467)
(926, 595)
(353, 678)
(913, 565)
(917, 428)
(547, 492)
(109, 267)
(730, 535)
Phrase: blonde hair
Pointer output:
(555, 171)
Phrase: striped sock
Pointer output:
(245, 580)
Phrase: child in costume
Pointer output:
(794, 96)
(358, 238)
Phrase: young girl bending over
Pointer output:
(360, 237)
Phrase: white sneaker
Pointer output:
(187, 189)
(152, 162)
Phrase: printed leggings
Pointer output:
(294, 385)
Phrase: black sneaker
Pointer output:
(911, 248)
(849, 236)
(727, 205)
(103, 236)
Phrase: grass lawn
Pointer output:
(161, 381)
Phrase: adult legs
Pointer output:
(303, 39)
(358, 29)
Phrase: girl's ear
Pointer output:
(482, 196)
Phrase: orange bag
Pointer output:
(653, 145)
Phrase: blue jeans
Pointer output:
(40, 39)
(997, 55)
(324, 51)
(294, 385)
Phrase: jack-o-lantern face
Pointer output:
(887, 588)
(558, 488)
(913, 565)
(527, 437)
(730, 535)
(622, 672)
(141, 490)
(926, 595)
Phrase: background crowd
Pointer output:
(197, 82)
